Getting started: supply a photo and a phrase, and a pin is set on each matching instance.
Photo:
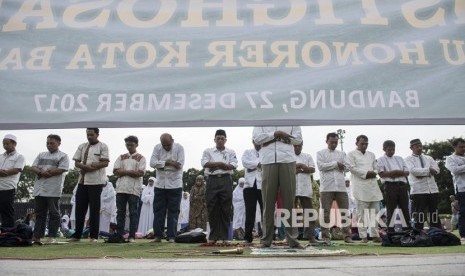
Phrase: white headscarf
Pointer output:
(184, 208)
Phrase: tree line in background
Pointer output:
(437, 150)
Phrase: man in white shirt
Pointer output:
(219, 163)
(393, 173)
(168, 160)
(365, 188)
(305, 167)
(252, 188)
(130, 168)
(49, 166)
(91, 159)
(11, 165)
(278, 162)
(455, 163)
(423, 188)
(332, 164)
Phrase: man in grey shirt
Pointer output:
(49, 166)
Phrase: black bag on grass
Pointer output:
(20, 235)
(191, 237)
(441, 237)
(115, 238)
(411, 238)
(416, 238)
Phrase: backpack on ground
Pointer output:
(191, 237)
(20, 235)
(115, 238)
(441, 237)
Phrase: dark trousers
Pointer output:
(309, 227)
(425, 208)
(122, 200)
(461, 199)
(7, 211)
(88, 197)
(166, 204)
(252, 195)
(218, 195)
(42, 206)
(396, 194)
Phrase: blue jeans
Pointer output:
(121, 201)
(166, 203)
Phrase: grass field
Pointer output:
(144, 249)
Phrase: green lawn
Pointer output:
(143, 249)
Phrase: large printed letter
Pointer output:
(410, 8)
(73, 11)
(16, 22)
(196, 8)
(125, 12)
(297, 11)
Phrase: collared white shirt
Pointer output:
(250, 160)
(168, 177)
(277, 152)
(364, 189)
(127, 184)
(303, 180)
(456, 165)
(331, 178)
(387, 164)
(421, 182)
(50, 186)
(13, 160)
(227, 156)
(98, 152)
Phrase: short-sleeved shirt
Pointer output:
(12, 160)
(227, 156)
(387, 164)
(98, 152)
(50, 186)
(127, 184)
(304, 180)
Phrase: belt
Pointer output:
(273, 141)
(395, 182)
(220, 175)
(269, 142)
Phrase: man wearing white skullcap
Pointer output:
(11, 165)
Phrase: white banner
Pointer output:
(140, 63)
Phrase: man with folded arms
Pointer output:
(219, 163)
(11, 165)
(423, 188)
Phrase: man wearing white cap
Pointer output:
(11, 165)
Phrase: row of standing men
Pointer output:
(273, 165)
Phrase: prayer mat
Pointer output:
(308, 251)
